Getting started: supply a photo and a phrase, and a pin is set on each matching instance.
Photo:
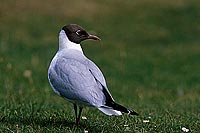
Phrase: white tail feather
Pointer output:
(109, 111)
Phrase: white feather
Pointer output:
(64, 42)
(109, 111)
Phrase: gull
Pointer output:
(77, 79)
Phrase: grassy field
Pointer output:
(149, 54)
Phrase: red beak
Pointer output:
(93, 37)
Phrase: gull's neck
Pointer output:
(65, 43)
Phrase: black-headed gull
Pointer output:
(77, 79)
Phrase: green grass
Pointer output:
(149, 54)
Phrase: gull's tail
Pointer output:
(115, 109)
(121, 108)
(112, 108)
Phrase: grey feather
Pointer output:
(76, 78)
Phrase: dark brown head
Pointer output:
(77, 34)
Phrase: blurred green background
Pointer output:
(149, 54)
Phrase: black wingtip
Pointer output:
(133, 112)
(116, 106)
(122, 108)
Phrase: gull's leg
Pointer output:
(79, 115)
(75, 109)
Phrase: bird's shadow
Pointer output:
(48, 123)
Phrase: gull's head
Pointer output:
(71, 35)
(77, 34)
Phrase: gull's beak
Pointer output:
(93, 37)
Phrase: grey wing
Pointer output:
(98, 75)
(73, 80)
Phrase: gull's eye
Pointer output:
(81, 33)
(78, 32)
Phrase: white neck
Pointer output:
(64, 42)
